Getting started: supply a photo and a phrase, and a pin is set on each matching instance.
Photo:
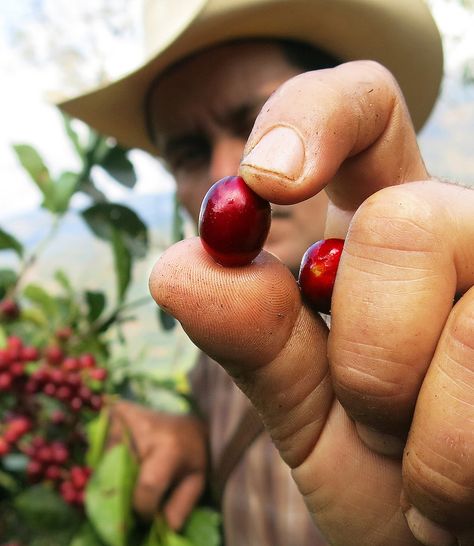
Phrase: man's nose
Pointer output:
(226, 156)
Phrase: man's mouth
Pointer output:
(280, 212)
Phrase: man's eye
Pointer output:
(189, 157)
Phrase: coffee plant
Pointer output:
(61, 483)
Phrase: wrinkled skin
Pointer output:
(374, 417)
(201, 132)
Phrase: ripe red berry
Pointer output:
(6, 381)
(9, 309)
(234, 222)
(87, 360)
(64, 333)
(54, 355)
(4, 447)
(29, 354)
(71, 364)
(318, 272)
(98, 374)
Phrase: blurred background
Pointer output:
(104, 239)
(49, 47)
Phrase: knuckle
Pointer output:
(441, 483)
(461, 329)
(396, 218)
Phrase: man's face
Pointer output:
(203, 111)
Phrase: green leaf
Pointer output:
(34, 315)
(161, 535)
(167, 321)
(96, 304)
(7, 482)
(104, 218)
(86, 537)
(202, 527)
(8, 278)
(62, 278)
(32, 162)
(98, 147)
(62, 191)
(8, 242)
(97, 431)
(117, 164)
(72, 135)
(42, 507)
(177, 229)
(123, 264)
(38, 295)
(3, 338)
(109, 495)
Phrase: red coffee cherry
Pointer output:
(9, 309)
(234, 222)
(54, 355)
(318, 272)
(4, 447)
(87, 360)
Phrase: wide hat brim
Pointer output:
(400, 34)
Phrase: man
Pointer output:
(394, 329)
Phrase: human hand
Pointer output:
(398, 375)
(173, 459)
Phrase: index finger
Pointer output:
(346, 128)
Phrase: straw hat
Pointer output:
(401, 34)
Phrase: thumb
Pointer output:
(346, 129)
(251, 320)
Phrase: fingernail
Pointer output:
(280, 151)
(426, 531)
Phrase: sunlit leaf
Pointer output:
(202, 527)
(33, 163)
(109, 495)
(62, 191)
(38, 295)
(73, 136)
(97, 435)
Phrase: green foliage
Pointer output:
(8, 242)
(41, 508)
(109, 495)
(58, 314)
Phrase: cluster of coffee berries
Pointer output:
(47, 396)
(66, 379)
(49, 461)
(13, 359)
(13, 431)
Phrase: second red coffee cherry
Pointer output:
(318, 272)
(234, 222)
